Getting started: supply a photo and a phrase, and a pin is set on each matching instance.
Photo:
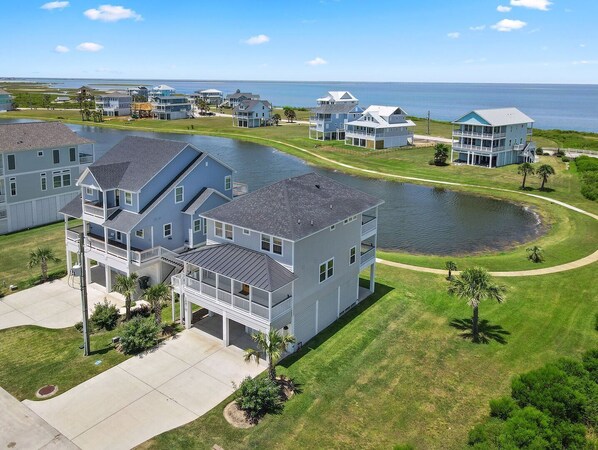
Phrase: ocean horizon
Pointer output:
(558, 106)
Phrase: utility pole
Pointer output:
(428, 122)
(83, 294)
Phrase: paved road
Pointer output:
(54, 304)
(21, 428)
(147, 395)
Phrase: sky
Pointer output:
(506, 41)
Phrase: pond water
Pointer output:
(414, 218)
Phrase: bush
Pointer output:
(565, 159)
(104, 316)
(170, 329)
(559, 153)
(539, 151)
(590, 362)
(139, 334)
(79, 326)
(589, 185)
(142, 310)
(258, 396)
(586, 164)
(503, 408)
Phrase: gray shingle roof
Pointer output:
(296, 207)
(74, 208)
(242, 94)
(17, 137)
(336, 108)
(248, 105)
(131, 163)
(244, 265)
(200, 198)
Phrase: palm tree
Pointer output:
(525, 169)
(544, 171)
(157, 294)
(474, 285)
(535, 254)
(450, 266)
(273, 345)
(441, 152)
(40, 257)
(126, 286)
(201, 105)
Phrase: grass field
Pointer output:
(394, 370)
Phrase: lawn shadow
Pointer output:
(342, 321)
(487, 331)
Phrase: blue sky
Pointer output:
(543, 41)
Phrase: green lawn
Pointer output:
(394, 371)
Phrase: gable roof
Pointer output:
(242, 94)
(339, 96)
(131, 163)
(248, 105)
(295, 207)
(385, 111)
(495, 117)
(201, 198)
(74, 208)
(17, 137)
(163, 87)
(244, 265)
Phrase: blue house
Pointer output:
(5, 101)
(140, 204)
(327, 121)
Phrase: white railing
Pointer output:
(368, 224)
(85, 159)
(241, 303)
(72, 235)
(259, 310)
(367, 256)
(477, 134)
(477, 148)
(224, 296)
(281, 308)
(98, 211)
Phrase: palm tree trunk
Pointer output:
(474, 325)
(523, 183)
(128, 308)
(158, 312)
(44, 266)
(271, 370)
(543, 181)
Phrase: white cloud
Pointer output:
(471, 61)
(257, 40)
(502, 8)
(61, 49)
(454, 35)
(89, 47)
(542, 5)
(509, 25)
(582, 45)
(586, 61)
(55, 5)
(478, 28)
(317, 61)
(110, 13)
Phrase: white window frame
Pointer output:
(228, 183)
(274, 245)
(43, 180)
(328, 270)
(12, 183)
(140, 233)
(263, 239)
(176, 190)
(40, 153)
(130, 195)
(169, 225)
(57, 175)
(218, 225)
(88, 191)
(352, 255)
(332, 227)
(246, 231)
(64, 173)
(197, 225)
(229, 228)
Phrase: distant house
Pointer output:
(140, 206)
(162, 90)
(141, 109)
(62, 99)
(5, 101)
(233, 100)
(210, 96)
(334, 97)
(114, 105)
(493, 138)
(252, 114)
(139, 93)
(327, 120)
(380, 127)
(171, 107)
(39, 164)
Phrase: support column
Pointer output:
(69, 261)
(172, 298)
(181, 307)
(188, 315)
(373, 277)
(108, 274)
(225, 329)
(88, 270)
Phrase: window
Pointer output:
(326, 270)
(119, 236)
(352, 255)
(56, 156)
(246, 231)
(265, 242)
(332, 227)
(128, 198)
(227, 183)
(43, 182)
(13, 187)
(40, 153)
(139, 233)
(10, 159)
(277, 246)
(167, 230)
(66, 178)
(72, 154)
(204, 225)
(89, 191)
(178, 194)
(218, 229)
(197, 225)
(56, 180)
(228, 232)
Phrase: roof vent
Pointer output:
(317, 186)
(331, 206)
(312, 222)
(299, 221)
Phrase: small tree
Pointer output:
(543, 172)
(441, 154)
(104, 316)
(276, 118)
(40, 257)
(273, 345)
(139, 334)
(258, 396)
(126, 286)
(475, 285)
(157, 294)
(450, 266)
(535, 254)
(289, 113)
(525, 169)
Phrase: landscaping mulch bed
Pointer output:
(46, 391)
(236, 416)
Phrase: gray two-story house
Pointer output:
(327, 121)
(39, 164)
(285, 257)
(171, 107)
(252, 114)
(114, 104)
(140, 206)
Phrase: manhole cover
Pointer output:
(46, 391)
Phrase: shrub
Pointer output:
(104, 316)
(539, 151)
(590, 362)
(139, 334)
(565, 159)
(487, 434)
(559, 153)
(589, 185)
(170, 329)
(142, 310)
(258, 396)
(503, 408)
(586, 164)
(79, 326)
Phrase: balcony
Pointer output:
(96, 209)
(369, 224)
(350, 133)
(367, 255)
(477, 148)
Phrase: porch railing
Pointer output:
(368, 224)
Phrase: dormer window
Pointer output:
(179, 194)
(128, 198)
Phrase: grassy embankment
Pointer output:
(395, 371)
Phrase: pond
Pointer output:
(414, 218)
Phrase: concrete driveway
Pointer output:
(148, 394)
(51, 305)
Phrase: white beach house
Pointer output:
(380, 127)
